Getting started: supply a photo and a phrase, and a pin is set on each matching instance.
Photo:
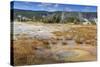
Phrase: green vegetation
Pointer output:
(53, 17)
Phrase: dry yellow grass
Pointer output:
(25, 48)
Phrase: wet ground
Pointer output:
(54, 43)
